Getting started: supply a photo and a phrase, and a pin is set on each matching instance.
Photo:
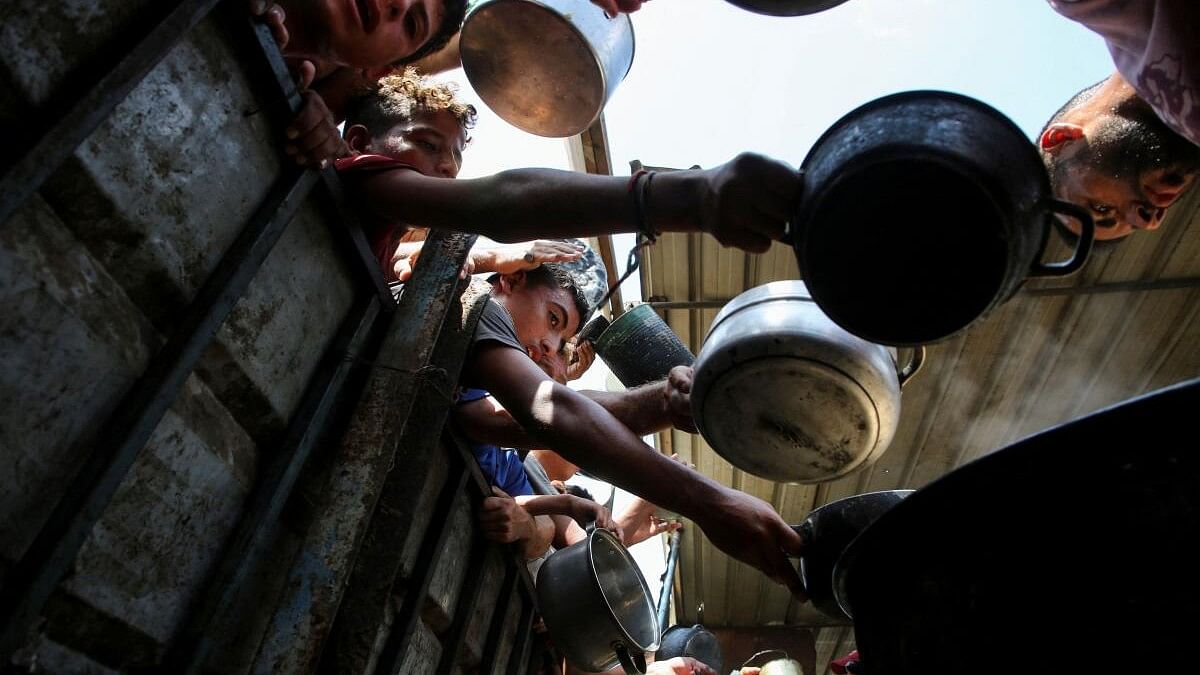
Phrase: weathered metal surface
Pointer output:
(489, 587)
(50, 556)
(274, 487)
(61, 133)
(364, 456)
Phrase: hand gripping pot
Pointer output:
(782, 392)
(596, 605)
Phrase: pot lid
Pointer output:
(790, 420)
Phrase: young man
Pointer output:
(1107, 151)
(1126, 148)
(405, 152)
(530, 316)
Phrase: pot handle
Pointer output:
(634, 664)
(915, 361)
(790, 227)
(1083, 247)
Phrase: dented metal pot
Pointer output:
(784, 393)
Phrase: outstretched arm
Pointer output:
(585, 433)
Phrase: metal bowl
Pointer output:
(786, 7)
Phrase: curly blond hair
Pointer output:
(397, 97)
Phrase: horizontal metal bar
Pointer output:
(80, 117)
(51, 555)
(1093, 289)
(274, 487)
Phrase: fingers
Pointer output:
(609, 6)
(500, 493)
(305, 73)
(314, 136)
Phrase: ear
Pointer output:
(512, 281)
(357, 137)
(1058, 135)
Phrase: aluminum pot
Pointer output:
(782, 392)
(596, 605)
(786, 7)
(921, 212)
(545, 66)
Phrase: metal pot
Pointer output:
(782, 392)
(545, 66)
(640, 347)
(921, 212)
(596, 604)
(786, 7)
(694, 641)
(827, 533)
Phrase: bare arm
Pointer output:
(642, 411)
(582, 431)
(745, 202)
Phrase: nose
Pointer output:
(446, 166)
(1144, 216)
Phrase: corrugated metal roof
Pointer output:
(1127, 324)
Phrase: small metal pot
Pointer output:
(786, 7)
(922, 211)
(596, 605)
(640, 347)
(782, 392)
(547, 67)
(695, 641)
(827, 533)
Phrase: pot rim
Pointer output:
(617, 545)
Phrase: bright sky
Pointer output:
(710, 80)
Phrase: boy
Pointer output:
(527, 318)
(338, 46)
(406, 144)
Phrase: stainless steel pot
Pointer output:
(784, 393)
(922, 211)
(596, 605)
(545, 66)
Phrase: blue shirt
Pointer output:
(501, 466)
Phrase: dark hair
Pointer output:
(455, 11)
(397, 97)
(579, 491)
(553, 275)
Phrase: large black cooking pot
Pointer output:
(1072, 551)
(921, 212)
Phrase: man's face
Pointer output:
(376, 33)
(1120, 205)
(545, 319)
(432, 142)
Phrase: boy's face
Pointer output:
(375, 33)
(431, 142)
(545, 318)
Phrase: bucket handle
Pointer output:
(633, 663)
(915, 360)
(1087, 235)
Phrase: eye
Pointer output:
(553, 320)
(1102, 209)
(426, 145)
